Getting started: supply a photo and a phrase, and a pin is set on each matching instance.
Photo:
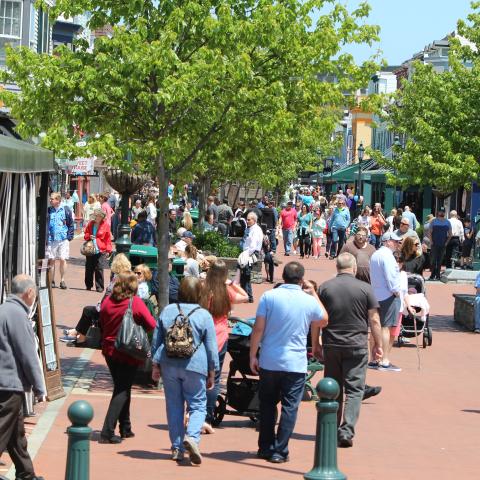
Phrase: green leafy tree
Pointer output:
(193, 86)
(438, 114)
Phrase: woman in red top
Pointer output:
(218, 295)
(97, 230)
(122, 367)
(377, 221)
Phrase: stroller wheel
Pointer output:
(424, 339)
(219, 412)
(430, 339)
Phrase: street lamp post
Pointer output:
(395, 149)
(361, 153)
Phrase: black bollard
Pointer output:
(325, 460)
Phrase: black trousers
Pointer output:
(12, 434)
(94, 265)
(246, 281)
(452, 246)
(119, 407)
(89, 317)
(436, 258)
(269, 265)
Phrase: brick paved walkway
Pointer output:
(424, 424)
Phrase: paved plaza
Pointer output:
(424, 424)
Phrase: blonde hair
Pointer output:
(120, 264)
(187, 221)
(56, 195)
(147, 273)
(191, 251)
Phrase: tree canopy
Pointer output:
(438, 114)
(186, 86)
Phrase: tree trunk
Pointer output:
(163, 238)
(204, 191)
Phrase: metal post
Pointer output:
(123, 243)
(80, 414)
(325, 459)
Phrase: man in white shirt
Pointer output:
(252, 247)
(385, 280)
(458, 236)
(151, 211)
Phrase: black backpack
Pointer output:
(179, 341)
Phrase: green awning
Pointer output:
(345, 174)
(17, 156)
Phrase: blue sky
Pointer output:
(408, 25)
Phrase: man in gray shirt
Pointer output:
(20, 372)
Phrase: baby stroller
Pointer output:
(418, 324)
(241, 396)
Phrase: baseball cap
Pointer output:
(390, 236)
(188, 234)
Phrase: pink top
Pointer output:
(108, 212)
(289, 217)
(221, 323)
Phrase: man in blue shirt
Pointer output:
(143, 232)
(385, 280)
(439, 233)
(283, 320)
(61, 229)
(411, 217)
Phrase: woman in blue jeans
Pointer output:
(186, 380)
(338, 225)
(218, 296)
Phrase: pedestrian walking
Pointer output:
(98, 231)
(61, 229)
(21, 373)
(218, 296)
(186, 380)
(456, 240)
(288, 220)
(385, 280)
(359, 247)
(318, 226)
(252, 248)
(283, 320)
(377, 222)
(90, 206)
(338, 225)
(122, 367)
(345, 340)
(304, 227)
(439, 233)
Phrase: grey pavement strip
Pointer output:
(47, 419)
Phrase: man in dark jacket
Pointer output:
(143, 232)
(21, 372)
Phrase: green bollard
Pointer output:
(80, 414)
(325, 460)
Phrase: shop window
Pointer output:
(10, 25)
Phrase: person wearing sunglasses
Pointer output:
(404, 231)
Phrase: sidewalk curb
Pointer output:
(48, 417)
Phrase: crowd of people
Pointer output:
(374, 254)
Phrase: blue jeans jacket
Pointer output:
(205, 359)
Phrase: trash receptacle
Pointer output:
(178, 267)
(143, 254)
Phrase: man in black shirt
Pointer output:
(345, 339)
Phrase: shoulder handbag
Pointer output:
(87, 248)
(132, 338)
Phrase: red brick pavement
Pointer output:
(424, 424)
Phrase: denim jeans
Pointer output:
(338, 239)
(287, 240)
(184, 387)
(288, 388)
(246, 281)
(273, 240)
(213, 393)
(477, 312)
(376, 240)
(436, 257)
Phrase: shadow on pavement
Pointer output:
(471, 411)
(145, 455)
(241, 456)
(445, 323)
(159, 427)
(303, 436)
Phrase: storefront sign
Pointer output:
(83, 166)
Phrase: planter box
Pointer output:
(464, 310)
(232, 269)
